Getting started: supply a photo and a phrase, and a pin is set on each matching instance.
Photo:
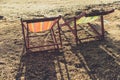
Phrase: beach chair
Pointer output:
(34, 30)
(83, 18)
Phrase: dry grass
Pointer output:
(91, 60)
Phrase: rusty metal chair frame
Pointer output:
(26, 32)
(83, 14)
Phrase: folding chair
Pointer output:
(83, 18)
(33, 28)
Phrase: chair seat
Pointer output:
(40, 26)
(87, 19)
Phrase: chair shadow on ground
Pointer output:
(98, 59)
(43, 65)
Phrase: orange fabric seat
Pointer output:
(40, 26)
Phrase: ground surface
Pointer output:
(91, 60)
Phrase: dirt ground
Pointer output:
(90, 60)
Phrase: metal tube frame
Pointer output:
(59, 33)
(25, 32)
(102, 26)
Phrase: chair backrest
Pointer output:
(39, 25)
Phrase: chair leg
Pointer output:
(24, 37)
(102, 25)
(52, 37)
(27, 38)
(75, 29)
(55, 40)
(59, 34)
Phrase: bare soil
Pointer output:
(90, 60)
